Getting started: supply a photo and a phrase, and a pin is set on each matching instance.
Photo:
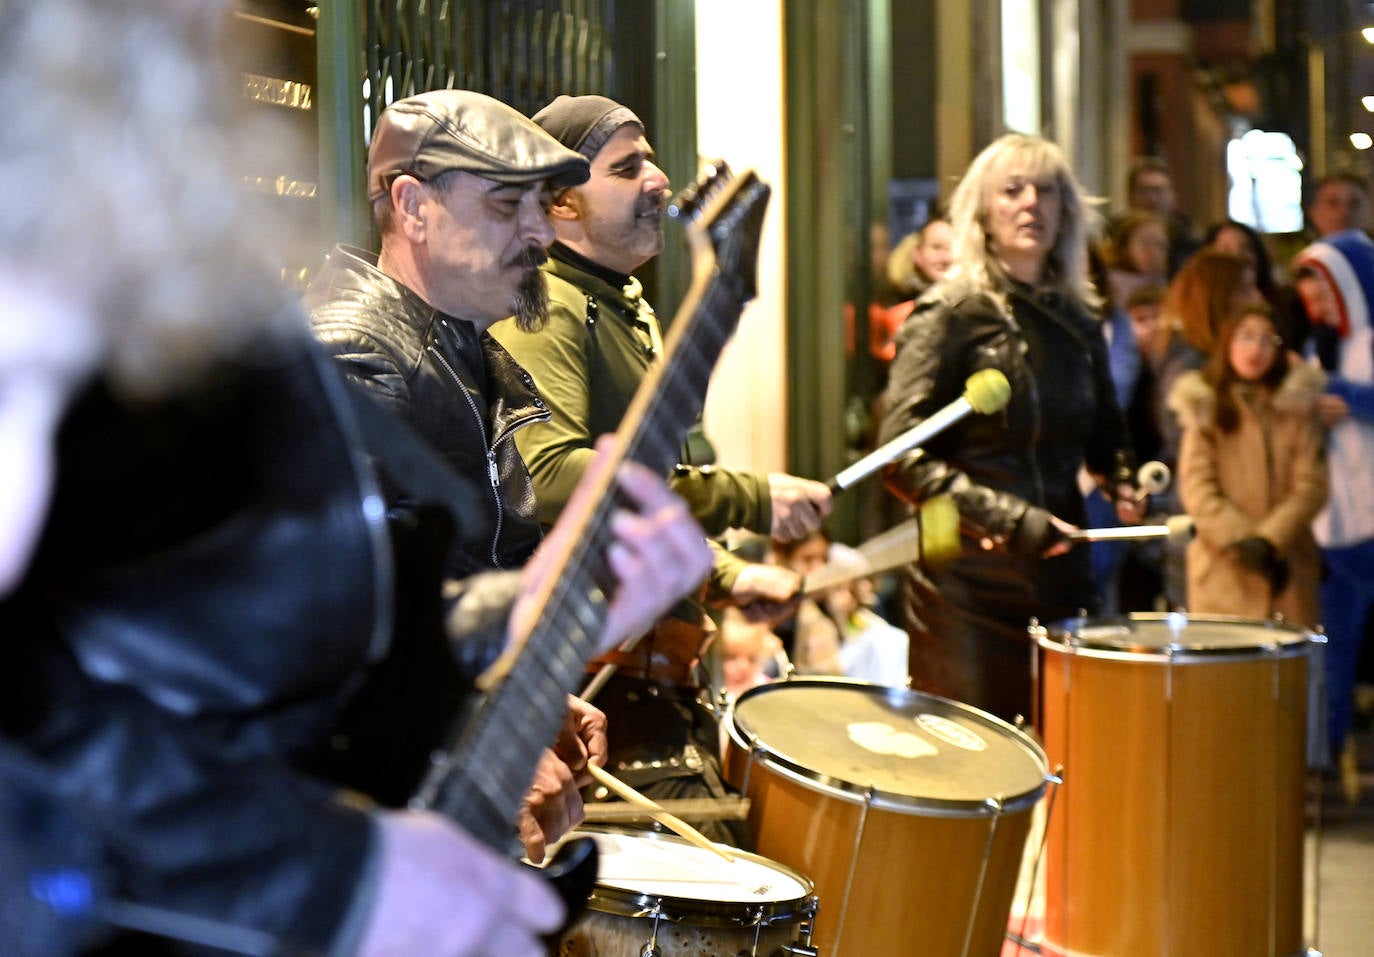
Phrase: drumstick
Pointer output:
(703, 809)
(932, 536)
(606, 672)
(1178, 528)
(1153, 478)
(985, 392)
(672, 822)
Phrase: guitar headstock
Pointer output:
(723, 215)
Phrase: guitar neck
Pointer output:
(481, 782)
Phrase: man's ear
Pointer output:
(568, 206)
(407, 204)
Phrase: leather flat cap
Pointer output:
(431, 133)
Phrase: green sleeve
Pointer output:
(721, 499)
(723, 573)
(557, 451)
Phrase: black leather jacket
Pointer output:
(207, 585)
(1010, 470)
(211, 594)
(461, 391)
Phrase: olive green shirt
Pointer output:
(587, 364)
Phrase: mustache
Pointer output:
(533, 255)
(653, 204)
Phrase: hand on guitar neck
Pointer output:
(657, 552)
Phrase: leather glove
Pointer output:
(1256, 553)
(1035, 533)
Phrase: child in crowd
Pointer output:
(811, 637)
(838, 632)
(1252, 474)
(750, 654)
(871, 648)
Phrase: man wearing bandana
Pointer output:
(601, 341)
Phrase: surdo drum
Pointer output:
(909, 811)
(659, 896)
(1179, 824)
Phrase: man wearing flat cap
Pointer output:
(600, 342)
(459, 184)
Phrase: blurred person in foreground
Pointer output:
(1019, 299)
(196, 573)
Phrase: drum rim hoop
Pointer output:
(853, 793)
(624, 902)
(1066, 637)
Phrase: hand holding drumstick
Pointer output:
(670, 821)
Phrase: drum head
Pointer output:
(913, 751)
(644, 870)
(1176, 634)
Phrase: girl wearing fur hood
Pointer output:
(1252, 474)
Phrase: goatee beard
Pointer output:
(531, 306)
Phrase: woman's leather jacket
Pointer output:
(1010, 470)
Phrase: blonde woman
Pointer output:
(1018, 299)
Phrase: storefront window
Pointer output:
(1266, 182)
(1021, 65)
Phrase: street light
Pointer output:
(1361, 141)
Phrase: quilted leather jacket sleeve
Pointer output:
(941, 344)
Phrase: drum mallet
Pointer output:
(985, 392)
(931, 537)
(1177, 528)
(1153, 478)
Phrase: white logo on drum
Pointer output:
(881, 738)
(951, 733)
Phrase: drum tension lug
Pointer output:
(651, 948)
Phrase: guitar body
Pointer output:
(572, 874)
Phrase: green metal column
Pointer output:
(830, 237)
(343, 161)
(674, 134)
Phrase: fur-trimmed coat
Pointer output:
(1266, 478)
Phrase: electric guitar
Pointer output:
(480, 780)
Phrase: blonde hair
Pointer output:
(901, 271)
(124, 172)
(1066, 268)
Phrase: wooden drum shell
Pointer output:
(1178, 828)
(927, 877)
